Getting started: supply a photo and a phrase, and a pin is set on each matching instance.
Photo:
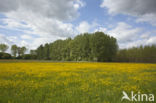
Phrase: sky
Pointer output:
(31, 23)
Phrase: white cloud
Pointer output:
(145, 35)
(41, 23)
(47, 19)
(5, 40)
(128, 36)
(58, 9)
(101, 29)
(151, 18)
(146, 41)
(151, 40)
(84, 27)
(145, 10)
(79, 4)
(124, 32)
(26, 36)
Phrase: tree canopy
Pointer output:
(85, 47)
(3, 47)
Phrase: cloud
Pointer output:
(58, 9)
(42, 17)
(124, 32)
(5, 40)
(84, 27)
(128, 36)
(40, 21)
(26, 36)
(151, 40)
(145, 10)
(146, 41)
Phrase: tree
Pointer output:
(33, 52)
(46, 51)
(80, 47)
(39, 52)
(85, 47)
(3, 47)
(5, 55)
(103, 47)
(56, 50)
(14, 50)
(21, 51)
(137, 54)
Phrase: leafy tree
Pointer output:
(5, 55)
(39, 52)
(46, 51)
(14, 50)
(103, 47)
(33, 52)
(137, 54)
(3, 47)
(21, 51)
(85, 47)
(80, 47)
(56, 50)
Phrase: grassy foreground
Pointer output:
(37, 82)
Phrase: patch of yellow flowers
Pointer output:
(85, 77)
(39, 70)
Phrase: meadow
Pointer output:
(47, 82)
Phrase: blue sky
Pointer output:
(33, 22)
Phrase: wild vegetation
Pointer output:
(37, 82)
(137, 54)
(85, 47)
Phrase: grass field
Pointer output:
(37, 82)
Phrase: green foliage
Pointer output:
(5, 55)
(137, 54)
(29, 56)
(33, 52)
(21, 51)
(14, 50)
(85, 47)
(39, 52)
(3, 47)
(104, 47)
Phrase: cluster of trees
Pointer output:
(137, 54)
(85, 47)
(17, 52)
(3, 55)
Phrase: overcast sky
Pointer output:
(33, 22)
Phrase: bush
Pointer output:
(29, 56)
(5, 56)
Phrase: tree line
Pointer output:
(15, 50)
(137, 54)
(96, 46)
(85, 47)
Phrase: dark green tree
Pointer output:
(3, 47)
(14, 50)
(40, 52)
(104, 47)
